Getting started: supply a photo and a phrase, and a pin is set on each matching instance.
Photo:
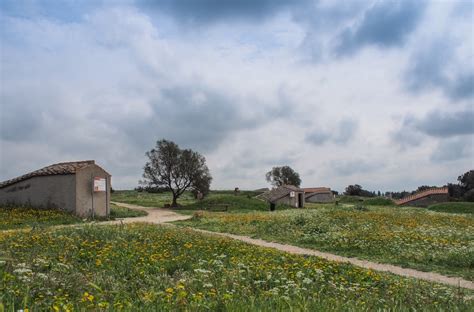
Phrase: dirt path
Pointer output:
(429, 276)
(165, 215)
(155, 215)
(161, 216)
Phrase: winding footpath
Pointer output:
(159, 216)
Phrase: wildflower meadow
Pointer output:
(143, 267)
(410, 237)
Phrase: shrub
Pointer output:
(360, 207)
(379, 201)
(469, 196)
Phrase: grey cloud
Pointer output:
(386, 24)
(440, 124)
(429, 69)
(435, 124)
(454, 149)
(193, 116)
(207, 11)
(341, 134)
(354, 166)
(318, 137)
(406, 136)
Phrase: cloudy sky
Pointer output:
(379, 93)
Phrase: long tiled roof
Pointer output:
(432, 191)
(279, 192)
(317, 190)
(55, 169)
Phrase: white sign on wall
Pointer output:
(292, 194)
(100, 184)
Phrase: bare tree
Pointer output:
(176, 169)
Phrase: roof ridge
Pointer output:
(61, 168)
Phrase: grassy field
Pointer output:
(122, 212)
(371, 201)
(216, 200)
(409, 237)
(21, 217)
(150, 199)
(147, 268)
(453, 207)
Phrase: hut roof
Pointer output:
(279, 192)
(317, 190)
(55, 169)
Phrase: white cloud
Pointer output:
(110, 84)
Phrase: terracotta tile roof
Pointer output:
(317, 190)
(279, 192)
(432, 191)
(55, 169)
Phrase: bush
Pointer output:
(360, 207)
(469, 196)
(379, 201)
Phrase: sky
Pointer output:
(378, 93)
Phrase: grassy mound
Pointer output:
(235, 203)
(373, 201)
(379, 201)
(453, 207)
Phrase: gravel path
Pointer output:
(165, 215)
(162, 216)
(155, 215)
(429, 276)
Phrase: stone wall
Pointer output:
(89, 203)
(320, 198)
(56, 191)
(428, 200)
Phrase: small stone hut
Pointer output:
(318, 195)
(80, 187)
(286, 194)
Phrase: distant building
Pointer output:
(80, 187)
(425, 198)
(318, 195)
(286, 194)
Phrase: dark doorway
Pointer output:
(272, 206)
(300, 200)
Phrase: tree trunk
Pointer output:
(174, 204)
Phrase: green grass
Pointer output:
(21, 217)
(239, 203)
(371, 201)
(453, 207)
(409, 237)
(216, 200)
(122, 212)
(150, 199)
(148, 268)
(378, 201)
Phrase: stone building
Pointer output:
(318, 195)
(80, 187)
(286, 195)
